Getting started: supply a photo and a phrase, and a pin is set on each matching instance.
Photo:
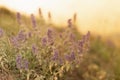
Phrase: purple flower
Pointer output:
(26, 63)
(80, 43)
(19, 61)
(33, 21)
(14, 42)
(1, 32)
(49, 33)
(34, 49)
(70, 57)
(72, 37)
(18, 17)
(21, 36)
(56, 55)
(44, 41)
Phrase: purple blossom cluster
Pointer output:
(77, 48)
(21, 63)
(17, 40)
(34, 49)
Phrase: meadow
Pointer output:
(31, 49)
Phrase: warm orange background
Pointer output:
(101, 16)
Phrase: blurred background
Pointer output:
(99, 16)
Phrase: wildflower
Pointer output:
(72, 37)
(49, 33)
(70, 57)
(14, 42)
(21, 36)
(34, 49)
(33, 21)
(81, 43)
(44, 41)
(56, 55)
(19, 61)
(18, 17)
(26, 64)
(1, 32)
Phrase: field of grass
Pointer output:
(31, 49)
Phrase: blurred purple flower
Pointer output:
(26, 63)
(80, 43)
(14, 42)
(34, 23)
(21, 36)
(56, 55)
(18, 17)
(34, 49)
(19, 61)
(44, 41)
(1, 32)
(72, 37)
(49, 33)
(70, 57)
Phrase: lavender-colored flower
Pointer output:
(44, 41)
(34, 23)
(21, 36)
(67, 57)
(18, 17)
(1, 32)
(49, 33)
(26, 64)
(40, 13)
(70, 57)
(14, 42)
(72, 37)
(19, 61)
(80, 43)
(56, 55)
(34, 49)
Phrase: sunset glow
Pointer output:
(87, 10)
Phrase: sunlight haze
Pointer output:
(92, 14)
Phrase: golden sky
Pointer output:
(91, 13)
